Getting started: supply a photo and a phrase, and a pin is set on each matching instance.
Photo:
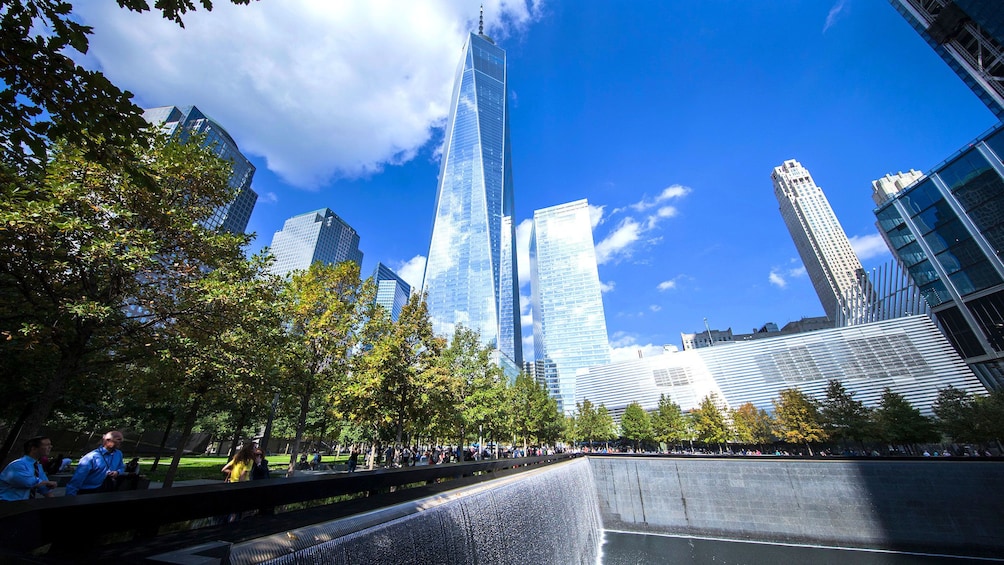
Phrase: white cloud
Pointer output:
(412, 271)
(779, 276)
(655, 307)
(625, 347)
(667, 285)
(777, 279)
(268, 198)
(618, 243)
(523, 251)
(668, 193)
(595, 215)
(606, 287)
(869, 246)
(319, 89)
(621, 242)
(833, 15)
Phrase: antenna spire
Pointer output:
(481, 22)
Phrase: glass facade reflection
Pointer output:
(187, 120)
(392, 292)
(470, 275)
(947, 231)
(569, 326)
(315, 236)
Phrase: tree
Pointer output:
(604, 425)
(472, 374)
(222, 353)
(535, 414)
(586, 426)
(669, 425)
(955, 411)
(636, 425)
(899, 422)
(843, 417)
(797, 419)
(323, 309)
(94, 258)
(750, 425)
(47, 96)
(709, 422)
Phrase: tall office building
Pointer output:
(831, 263)
(470, 275)
(188, 120)
(947, 230)
(315, 236)
(969, 36)
(392, 292)
(569, 327)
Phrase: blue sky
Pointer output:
(667, 116)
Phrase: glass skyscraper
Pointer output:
(315, 236)
(470, 274)
(392, 292)
(969, 36)
(947, 230)
(569, 327)
(188, 120)
(831, 263)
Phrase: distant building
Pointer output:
(947, 231)
(188, 120)
(908, 355)
(470, 275)
(831, 263)
(706, 338)
(890, 185)
(968, 35)
(392, 292)
(569, 326)
(315, 236)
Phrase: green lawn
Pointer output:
(208, 467)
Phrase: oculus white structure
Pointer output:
(908, 355)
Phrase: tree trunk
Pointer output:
(163, 441)
(301, 425)
(15, 429)
(809, 447)
(41, 408)
(186, 433)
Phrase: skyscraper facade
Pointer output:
(832, 265)
(188, 120)
(569, 326)
(315, 236)
(948, 232)
(969, 36)
(392, 292)
(470, 275)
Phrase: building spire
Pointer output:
(481, 21)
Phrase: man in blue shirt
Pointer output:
(25, 477)
(102, 463)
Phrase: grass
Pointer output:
(208, 467)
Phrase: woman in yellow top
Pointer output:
(239, 468)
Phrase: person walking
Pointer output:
(25, 478)
(353, 458)
(98, 471)
(239, 468)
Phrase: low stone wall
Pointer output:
(545, 516)
(952, 507)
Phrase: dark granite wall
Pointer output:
(930, 505)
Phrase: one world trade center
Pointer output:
(470, 275)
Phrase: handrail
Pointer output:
(77, 522)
